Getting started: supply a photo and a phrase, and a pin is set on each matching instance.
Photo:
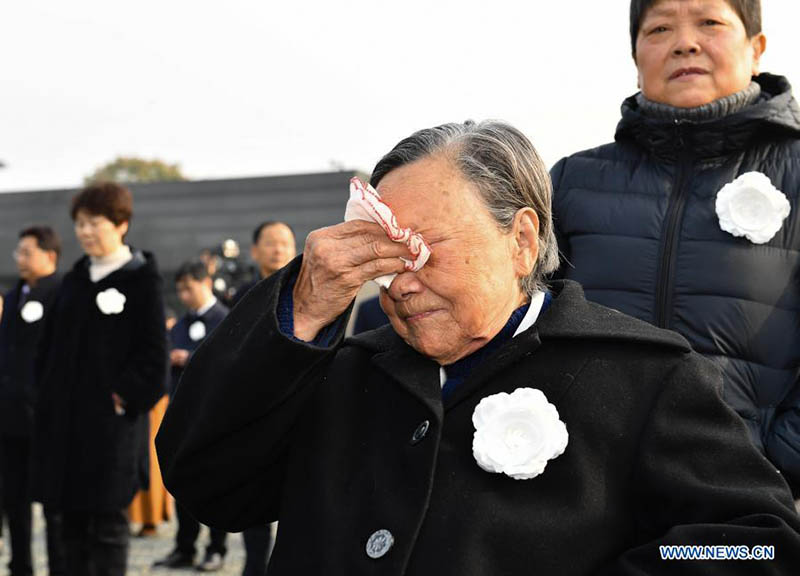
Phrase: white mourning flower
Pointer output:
(516, 434)
(110, 301)
(752, 207)
(197, 331)
(32, 311)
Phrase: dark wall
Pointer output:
(175, 220)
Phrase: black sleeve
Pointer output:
(45, 341)
(701, 482)
(142, 380)
(224, 438)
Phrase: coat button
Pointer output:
(379, 543)
(420, 432)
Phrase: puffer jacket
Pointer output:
(637, 226)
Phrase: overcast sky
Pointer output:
(246, 88)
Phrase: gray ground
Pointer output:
(144, 551)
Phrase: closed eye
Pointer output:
(431, 240)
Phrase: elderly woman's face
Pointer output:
(692, 52)
(470, 286)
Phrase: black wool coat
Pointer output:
(88, 457)
(636, 221)
(19, 343)
(264, 427)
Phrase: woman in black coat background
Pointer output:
(102, 367)
(689, 220)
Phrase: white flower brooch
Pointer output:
(197, 331)
(517, 433)
(110, 301)
(32, 311)
(751, 206)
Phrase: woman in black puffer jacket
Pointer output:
(645, 225)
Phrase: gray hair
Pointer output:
(504, 166)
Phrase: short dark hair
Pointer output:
(267, 224)
(194, 268)
(749, 11)
(107, 199)
(46, 238)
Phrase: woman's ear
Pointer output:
(526, 241)
(122, 228)
(759, 45)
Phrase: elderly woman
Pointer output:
(103, 366)
(494, 428)
(690, 219)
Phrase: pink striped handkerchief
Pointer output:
(365, 204)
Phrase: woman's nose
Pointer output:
(685, 42)
(404, 286)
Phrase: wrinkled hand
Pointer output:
(337, 261)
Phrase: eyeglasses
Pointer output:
(18, 254)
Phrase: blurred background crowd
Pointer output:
(67, 439)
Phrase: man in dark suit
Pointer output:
(26, 306)
(273, 248)
(194, 287)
